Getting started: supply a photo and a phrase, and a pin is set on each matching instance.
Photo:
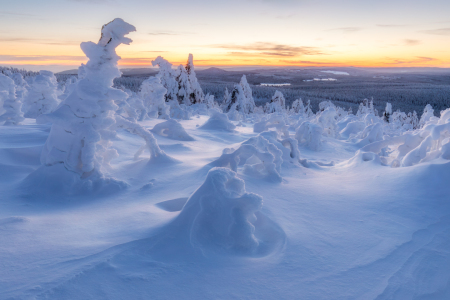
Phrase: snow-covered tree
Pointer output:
(308, 109)
(196, 94)
(184, 86)
(276, 104)
(11, 105)
(298, 107)
(366, 107)
(167, 77)
(387, 112)
(21, 86)
(152, 94)
(42, 96)
(81, 126)
(249, 104)
(428, 113)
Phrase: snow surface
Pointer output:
(355, 230)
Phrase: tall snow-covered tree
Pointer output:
(184, 86)
(249, 105)
(428, 113)
(81, 126)
(42, 96)
(196, 94)
(11, 105)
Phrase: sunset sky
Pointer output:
(46, 34)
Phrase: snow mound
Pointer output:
(364, 158)
(218, 121)
(222, 217)
(173, 130)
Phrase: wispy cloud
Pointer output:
(439, 31)
(268, 49)
(409, 42)
(418, 60)
(155, 51)
(346, 29)
(37, 41)
(15, 13)
(8, 58)
(303, 62)
(168, 32)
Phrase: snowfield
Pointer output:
(357, 230)
(170, 194)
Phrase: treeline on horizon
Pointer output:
(403, 96)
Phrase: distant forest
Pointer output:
(407, 92)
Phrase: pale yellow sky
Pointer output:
(46, 34)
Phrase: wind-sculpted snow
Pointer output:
(218, 121)
(172, 130)
(261, 156)
(258, 158)
(220, 217)
(410, 148)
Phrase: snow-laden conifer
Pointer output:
(82, 125)
(42, 95)
(12, 114)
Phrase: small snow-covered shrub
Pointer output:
(352, 128)
(309, 135)
(327, 120)
(276, 121)
(218, 121)
(172, 130)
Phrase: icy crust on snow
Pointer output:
(218, 121)
(222, 217)
(172, 130)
